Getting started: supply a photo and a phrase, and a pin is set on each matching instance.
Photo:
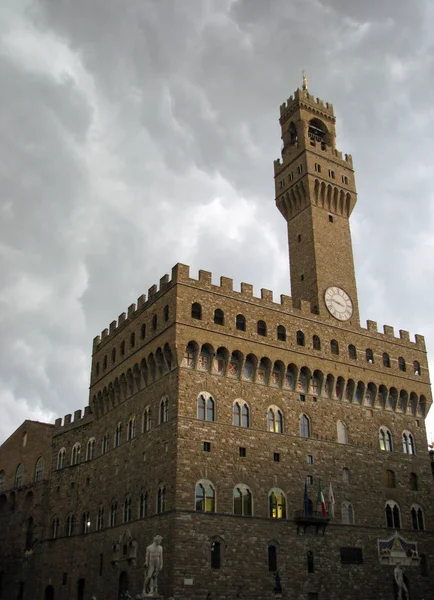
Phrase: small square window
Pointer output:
(417, 423)
(314, 398)
(302, 277)
(207, 446)
(299, 237)
(309, 459)
(309, 480)
(302, 398)
(276, 457)
(330, 219)
(243, 453)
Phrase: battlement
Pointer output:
(346, 160)
(305, 97)
(69, 423)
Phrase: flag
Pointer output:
(306, 499)
(331, 500)
(320, 499)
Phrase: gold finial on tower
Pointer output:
(304, 81)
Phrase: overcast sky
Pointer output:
(135, 134)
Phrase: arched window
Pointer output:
(196, 311)
(334, 347)
(189, 356)
(416, 368)
(147, 422)
(70, 526)
(385, 439)
(241, 414)
(205, 496)
(122, 348)
(390, 479)
(369, 356)
(242, 497)
(113, 513)
(113, 355)
(275, 420)
(414, 484)
(304, 426)
(346, 475)
(272, 558)
(104, 362)
(281, 333)
(143, 505)
(386, 360)
(90, 449)
(393, 515)
(342, 432)
(261, 328)
(85, 522)
(75, 454)
(215, 555)
(300, 338)
(205, 407)
(240, 323)
(352, 352)
(310, 567)
(127, 509)
(132, 340)
(97, 368)
(347, 513)
(219, 316)
(166, 312)
(118, 435)
(105, 444)
(316, 342)
(143, 331)
(401, 364)
(61, 458)
(164, 409)
(54, 528)
(39, 469)
(407, 443)
(161, 499)
(154, 323)
(417, 519)
(100, 519)
(132, 428)
(2, 480)
(277, 504)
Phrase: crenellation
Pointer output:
(389, 331)
(131, 310)
(226, 284)
(104, 333)
(420, 341)
(164, 282)
(77, 415)
(141, 301)
(151, 292)
(180, 273)
(67, 419)
(285, 301)
(266, 295)
(58, 423)
(372, 325)
(205, 277)
(122, 317)
(87, 411)
(247, 289)
(112, 326)
(404, 335)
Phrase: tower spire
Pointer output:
(304, 86)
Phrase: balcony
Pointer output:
(314, 518)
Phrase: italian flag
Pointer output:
(321, 500)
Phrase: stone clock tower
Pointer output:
(316, 193)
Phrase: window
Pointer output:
(154, 323)
(104, 363)
(166, 312)
(75, 454)
(242, 498)
(390, 479)
(143, 331)
(393, 516)
(54, 528)
(61, 458)
(127, 509)
(122, 348)
(330, 219)
(113, 513)
(309, 557)
(290, 176)
(85, 522)
(300, 338)
(309, 479)
(196, 311)
(407, 443)
(164, 409)
(342, 432)
(369, 356)
(417, 518)
(304, 426)
(277, 504)
(416, 368)
(299, 238)
(118, 435)
(97, 368)
(132, 340)
(243, 452)
(215, 555)
(272, 558)
(205, 496)
(317, 168)
(385, 439)
(113, 355)
(347, 513)
(414, 484)
(386, 360)
(219, 317)
(261, 328)
(240, 323)
(309, 459)
(300, 169)
(276, 457)
(346, 475)
(281, 333)
(345, 179)
(241, 414)
(205, 407)
(100, 519)
(207, 446)
(161, 499)
(275, 420)
(147, 422)
(131, 432)
(401, 364)
(105, 444)
(331, 173)
(334, 347)
(70, 525)
(143, 505)
(351, 556)
(39, 469)
(316, 343)
(2, 480)
(90, 449)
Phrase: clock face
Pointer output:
(338, 303)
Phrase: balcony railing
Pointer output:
(314, 518)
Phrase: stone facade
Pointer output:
(209, 410)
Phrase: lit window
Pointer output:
(275, 420)
(385, 439)
(277, 504)
(205, 496)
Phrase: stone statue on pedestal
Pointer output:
(153, 565)
(399, 578)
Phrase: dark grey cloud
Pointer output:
(131, 134)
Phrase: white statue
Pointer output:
(399, 578)
(153, 565)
